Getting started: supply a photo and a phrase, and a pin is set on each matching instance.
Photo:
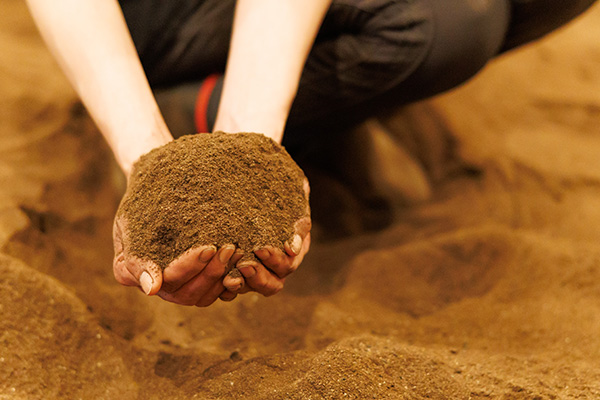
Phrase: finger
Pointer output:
(121, 273)
(237, 256)
(183, 300)
(234, 281)
(132, 271)
(118, 236)
(192, 293)
(186, 266)
(260, 279)
(276, 260)
(216, 268)
(306, 188)
(147, 274)
(227, 296)
(302, 228)
(300, 257)
(244, 289)
(293, 249)
(195, 289)
(212, 295)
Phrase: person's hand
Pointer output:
(194, 278)
(267, 277)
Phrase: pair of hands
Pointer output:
(198, 277)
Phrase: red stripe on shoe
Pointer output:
(202, 100)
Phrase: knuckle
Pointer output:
(244, 289)
(267, 287)
(284, 269)
(118, 276)
(273, 290)
(228, 297)
(170, 287)
(260, 285)
(215, 272)
(289, 268)
(122, 277)
(283, 260)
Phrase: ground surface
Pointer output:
(490, 290)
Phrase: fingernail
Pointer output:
(207, 254)
(247, 270)
(234, 280)
(146, 282)
(237, 284)
(296, 245)
(226, 253)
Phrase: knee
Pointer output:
(467, 35)
(478, 35)
(489, 24)
(464, 36)
(377, 42)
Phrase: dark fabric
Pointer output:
(369, 54)
(532, 19)
(364, 48)
(439, 45)
(181, 40)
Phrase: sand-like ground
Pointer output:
(490, 290)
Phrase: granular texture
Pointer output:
(217, 188)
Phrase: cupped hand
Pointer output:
(193, 278)
(267, 274)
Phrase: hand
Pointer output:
(194, 278)
(267, 277)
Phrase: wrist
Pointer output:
(272, 127)
(131, 147)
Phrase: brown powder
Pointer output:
(215, 189)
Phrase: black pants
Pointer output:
(368, 54)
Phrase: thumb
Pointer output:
(148, 274)
(129, 270)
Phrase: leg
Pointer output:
(531, 19)
(180, 41)
(369, 53)
(364, 49)
(394, 53)
(439, 45)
